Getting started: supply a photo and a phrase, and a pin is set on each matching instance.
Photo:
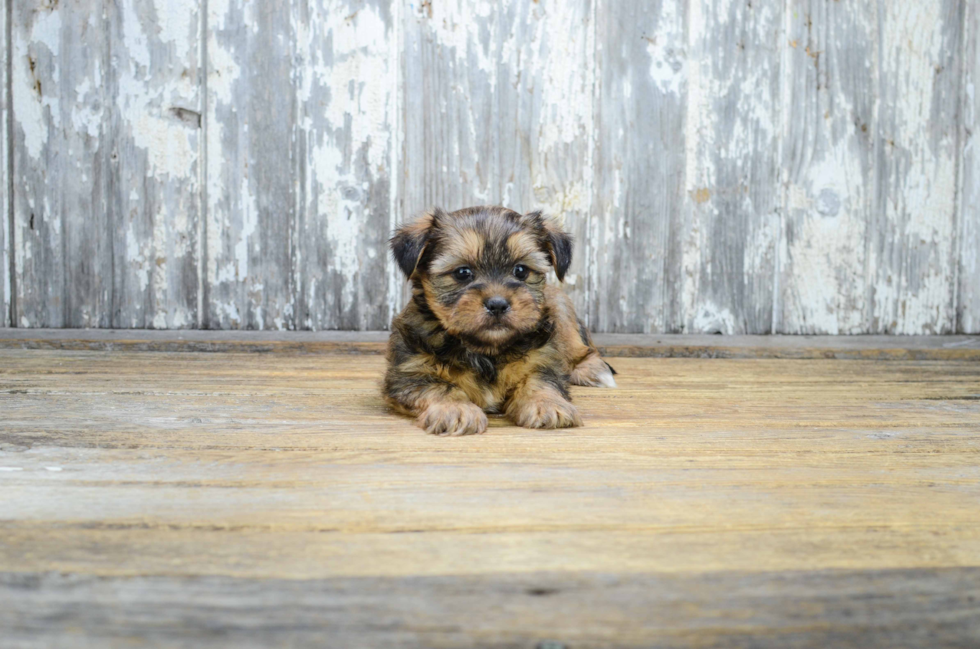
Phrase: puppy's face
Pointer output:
(482, 270)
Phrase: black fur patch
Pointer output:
(560, 245)
(407, 249)
(399, 383)
(583, 333)
(559, 381)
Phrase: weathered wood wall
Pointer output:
(735, 166)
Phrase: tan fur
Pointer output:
(450, 359)
(453, 418)
(541, 406)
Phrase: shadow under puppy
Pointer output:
(484, 330)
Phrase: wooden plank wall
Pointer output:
(5, 267)
(732, 166)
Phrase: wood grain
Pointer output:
(544, 98)
(61, 153)
(727, 261)
(346, 85)
(968, 286)
(105, 164)
(497, 109)
(641, 67)
(164, 496)
(913, 236)
(6, 245)
(882, 348)
(154, 131)
(893, 608)
(725, 166)
(828, 168)
(251, 133)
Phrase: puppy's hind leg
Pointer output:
(593, 372)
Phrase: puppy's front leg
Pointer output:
(542, 403)
(439, 407)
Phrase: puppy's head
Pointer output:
(482, 269)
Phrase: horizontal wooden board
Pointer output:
(614, 345)
(181, 499)
(841, 608)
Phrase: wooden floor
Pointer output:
(270, 500)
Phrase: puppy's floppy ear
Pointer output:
(411, 239)
(554, 241)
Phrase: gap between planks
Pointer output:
(961, 347)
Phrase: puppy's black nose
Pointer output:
(497, 305)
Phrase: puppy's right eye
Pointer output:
(463, 274)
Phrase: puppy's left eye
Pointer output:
(463, 274)
(521, 272)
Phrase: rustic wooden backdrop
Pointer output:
(735, 166)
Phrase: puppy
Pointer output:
(484, 331)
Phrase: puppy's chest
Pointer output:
(487, 382)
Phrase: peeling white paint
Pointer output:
(566, 115)
(729, 177)
(223, 73)
(43, 45)
(968, 270)
(699, 130)
(923, 217)
(6, 278)
(667, 50)
(177, 22)
(512, 119)
(396, 285)
(832, 207)
(461, 22)
(136, 256)
(352, 129)
(155, 70)
(146, 103)
(87, 110)
(250, 222)
(711, 319)
(232, 208)
(360, 60)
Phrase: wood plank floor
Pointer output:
(191, 500)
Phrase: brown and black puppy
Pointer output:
(484, 331)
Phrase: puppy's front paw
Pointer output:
(453, 418)
(544, 411)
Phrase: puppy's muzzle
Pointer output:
(497, 306)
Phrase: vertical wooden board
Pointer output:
(346, 84)
(449, 73)
(831, 67)
(545, 68)
(6, 290)
(448, 146)
(62, 254)
(641, 85)
(968, 290)
(497, 109)
(155, 136)
(250, 134)
(727, 267)
(912, 256)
